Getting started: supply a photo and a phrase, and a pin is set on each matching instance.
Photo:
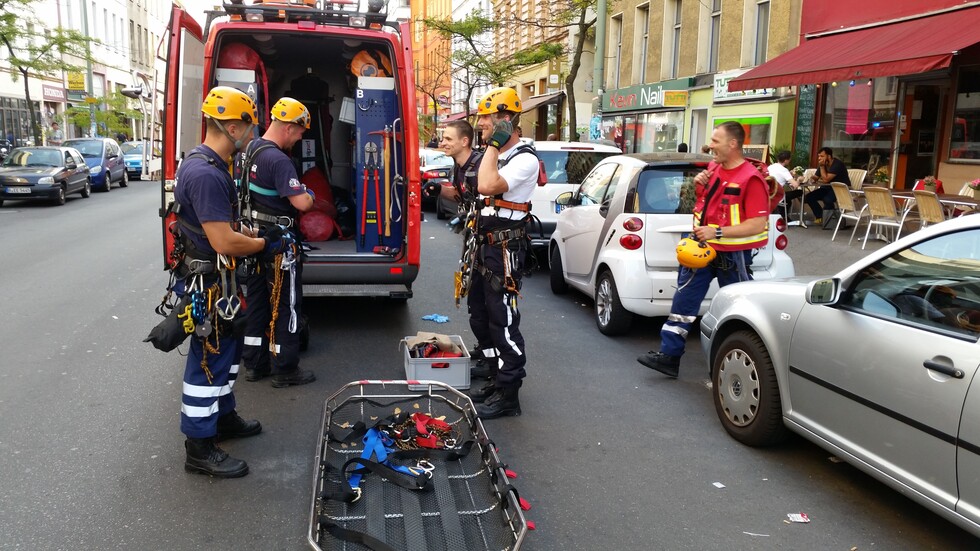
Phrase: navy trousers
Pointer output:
(494, 317)
(258, 293)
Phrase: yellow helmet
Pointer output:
(225, 103)
(290, 110)
(497, 100)
(693, 254)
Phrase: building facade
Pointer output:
(894, 86)
(668, 63)
(431, 53)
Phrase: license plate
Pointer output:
(18, 190)
(559, 208)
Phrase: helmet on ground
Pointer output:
(694, 254)
(225, 103)
(290, 110)
(497, 100)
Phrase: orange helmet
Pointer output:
(497, 100)
(694, 254)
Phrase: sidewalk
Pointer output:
(813, 252)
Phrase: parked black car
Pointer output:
(47, 173)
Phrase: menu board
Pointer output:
(806, 109)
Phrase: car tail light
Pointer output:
(782, 242)
(633, 224)
(430, 174)
(780, 224)
(631, 241)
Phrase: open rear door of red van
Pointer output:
(182, 123)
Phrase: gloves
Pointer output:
(277, 241)
(501, 133)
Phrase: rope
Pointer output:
(274, 301)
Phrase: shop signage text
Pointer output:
(53, 93)
(671, 93)
(76, 81)
(723, 94)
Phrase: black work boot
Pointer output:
(295, 377)
(204, 457)
(257, 374)
(502, 403)
(484, 368)
(480, 395)
(668, 365)
(231, 425)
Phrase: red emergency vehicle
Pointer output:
(352, 70)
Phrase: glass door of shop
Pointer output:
(918, 149)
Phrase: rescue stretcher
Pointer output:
(442, 485)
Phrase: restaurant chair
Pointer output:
(882, 212)
(807, 174)
(961, 210)
(856, 175)
(930, 209)
(846, 209)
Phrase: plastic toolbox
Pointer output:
(455, 372)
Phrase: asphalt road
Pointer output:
(610, 454)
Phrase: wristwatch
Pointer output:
(718, 233)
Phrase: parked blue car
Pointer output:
(133, 154)
(104, 159)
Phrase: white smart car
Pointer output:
(616, 237)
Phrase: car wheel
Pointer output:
(1, 202)
(124, 181)
(746, 393)
(62, 193)
(610, 315)
(558, 284)
(440, 214)
(87, 188)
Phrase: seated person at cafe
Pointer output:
(829, 170)
(791, 184)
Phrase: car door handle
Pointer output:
(942, 368)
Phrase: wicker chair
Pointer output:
(856, 175)
(930, 209)
(846, 209)
(883, 212)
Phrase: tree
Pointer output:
(472, 66)
(432, 85)
(111, 120)
(34, 50)
(569, 14)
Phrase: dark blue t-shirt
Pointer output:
(273, 171)
(205, 192)
(839, 170)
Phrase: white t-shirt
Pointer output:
(780, 173)
(521, 175)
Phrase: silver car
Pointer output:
(875, 364)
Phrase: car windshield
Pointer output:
(569, 167)
(33, 157)
(130, 148)
(88, 148)
(436, 158)
(668, 190)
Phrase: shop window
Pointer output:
(859, 122)
(757, 129)
(658, 131)
(964, 142)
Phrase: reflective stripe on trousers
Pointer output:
(692, 287)
(202, 402)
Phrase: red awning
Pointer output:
(453, 117)
(903, 48)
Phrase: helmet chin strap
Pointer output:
(239, 142)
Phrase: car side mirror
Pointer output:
(70, 165)
(823, 291)
(604, 209)
(564, 199)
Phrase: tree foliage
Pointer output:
(35, 50)
(111, 118)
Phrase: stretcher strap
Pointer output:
(354, 536)
(451, 526)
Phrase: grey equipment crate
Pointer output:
(470, 504)
(455, 372)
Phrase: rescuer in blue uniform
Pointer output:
(206, 203)
(275, 291)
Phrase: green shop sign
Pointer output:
(670, 93)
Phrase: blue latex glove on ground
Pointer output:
(436, 318)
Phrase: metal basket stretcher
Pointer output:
(468, 502)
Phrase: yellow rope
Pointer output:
(274, 301)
